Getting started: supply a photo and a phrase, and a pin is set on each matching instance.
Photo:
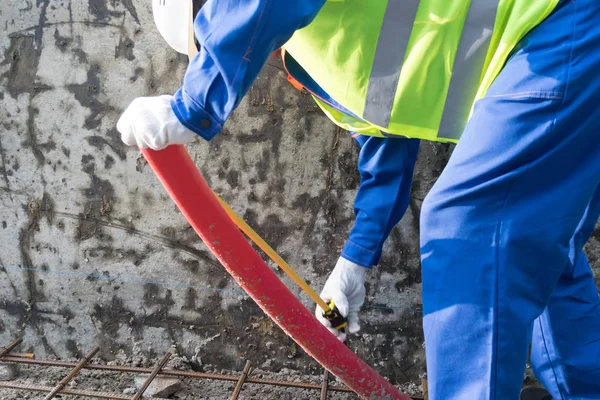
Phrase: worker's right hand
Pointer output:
(346, 287)
(151, 122)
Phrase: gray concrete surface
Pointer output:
(94, 252)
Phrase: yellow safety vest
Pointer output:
(411, 68)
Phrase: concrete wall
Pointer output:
(94, 252)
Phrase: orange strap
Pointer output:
(290, 78)
(294, 82)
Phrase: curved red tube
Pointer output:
(180, 176)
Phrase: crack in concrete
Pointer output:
(10, 282)
(5, 173)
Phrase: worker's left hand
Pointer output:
(346, 287)
(149, 122)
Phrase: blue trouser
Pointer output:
(503, 228)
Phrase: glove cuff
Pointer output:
(351, 267)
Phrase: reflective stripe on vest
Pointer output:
(389, 57)
(468, 66)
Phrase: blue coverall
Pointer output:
(503, 228)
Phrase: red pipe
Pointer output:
(180, 176)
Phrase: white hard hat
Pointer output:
(173, 19)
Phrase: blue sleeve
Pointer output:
(237, 37)
(386, 168)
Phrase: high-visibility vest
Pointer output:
(411, 68)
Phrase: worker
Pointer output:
(503, 229)
(385, 165)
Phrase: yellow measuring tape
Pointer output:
(264, 246)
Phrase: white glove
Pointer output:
(346, 287)
(151, 122)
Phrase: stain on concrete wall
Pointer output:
(93, 251)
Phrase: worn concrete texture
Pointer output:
(94, 252)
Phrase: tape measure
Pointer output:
(337, 320)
